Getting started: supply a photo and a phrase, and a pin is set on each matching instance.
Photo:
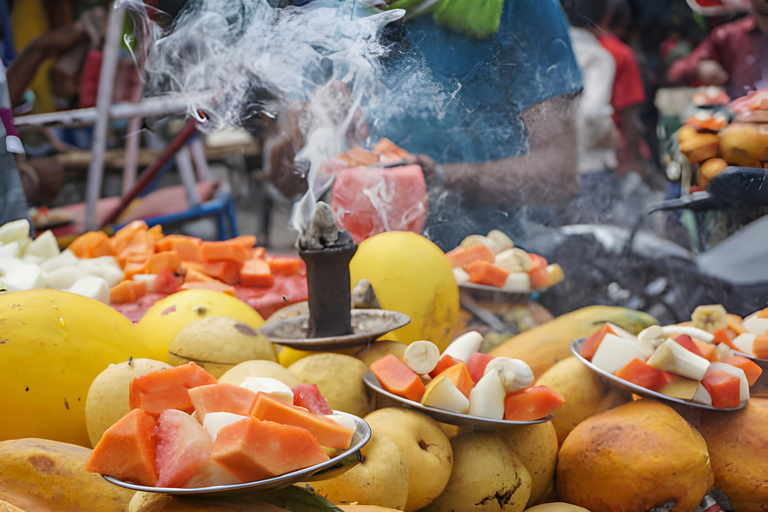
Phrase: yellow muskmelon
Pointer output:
(53, 344)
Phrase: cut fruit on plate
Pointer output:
(336, 465)
(445, 416)
(676, 388)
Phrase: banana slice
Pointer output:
(422, 356)
(464, 346)
(710, 318)
(473, 240)
(513, 373)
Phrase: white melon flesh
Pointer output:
(44, 246)
(106, 260)
(744, 342)
(752, 323)
(34, 260)
(621, 332)
(518, 282)
(14, 231)
(8, 265)
(65, 259)
(702, 395)
(63, 278)
(215, 421)
(147, 278)
(107, 272)
(344, 421)
(269, 386)
(615, 352)
(10, 250)
(441, 393)
(92, 287)
(24, 277)
(486, 399)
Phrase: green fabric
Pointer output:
(476, 18)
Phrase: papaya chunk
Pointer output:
(167, 389)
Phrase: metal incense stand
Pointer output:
(331, 323)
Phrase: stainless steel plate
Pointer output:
(452, 418)
(367, 324)
(639, 390)
(329, 469)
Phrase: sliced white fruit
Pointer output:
(422, 356)
(486, 399)
(14, 231)
(693, 332)
(514, 374)
(147, 278)
(460, 275)
(652, 336)
(518, 282)
(702, 395)
(673, 358)
(10, 250)
(498, 241)
(34, 260)
(681, 388)
(744, 342)
(464, 346)
(615, 352)
(736, 372)
(92, 287)
(44, 246)
(710, 317)
(344, 421)
(752, 323)
(65, 259)
(269, 386)
(24, 277)
(8, 265)
(621, 332)
(514, 260)
(473, 240)
(107, 272)
(724, 352)
(63, 278)
(215, 421)
(441, 393)
(106, 260)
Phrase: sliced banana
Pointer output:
(422, 356)
(501, 239)
(514, 373)
(651, 338)
(473, 240)
(710, 318)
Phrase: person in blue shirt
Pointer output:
(507, 138)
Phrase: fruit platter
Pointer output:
(491, 264)
(464, 387)
(677, 363)
(187, 434)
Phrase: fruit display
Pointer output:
(463, 380)
(682, 362)
(138, 266)
(710, 141)
(186, 429)
(494, 261)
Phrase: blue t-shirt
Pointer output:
(488, 84)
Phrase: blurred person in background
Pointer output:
(598, 136)
(734, 55)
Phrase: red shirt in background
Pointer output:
(740, 47)
(627, 85)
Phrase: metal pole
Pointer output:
(132, 145)
(153, 169)
(103, 102)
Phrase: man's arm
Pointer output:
(703, 64)
(548, 173)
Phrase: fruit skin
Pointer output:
(160, 325)
(340, 379)
(543, 346)
(424, 447)
(737, 442)
(38, 475)
(536, 446)
(201, 342)
(556, 507)
(486, 475)
(107, 399)
(259, 368)
(287, 355)
(380, 479)
(380, 349)
(633, 458)
(140, 499)
(53, 344)
(411, 275)
(584, 392)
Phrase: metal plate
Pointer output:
(368, 325)
(329, 469)
(484, 292)
(452, 418)
(638, 390)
